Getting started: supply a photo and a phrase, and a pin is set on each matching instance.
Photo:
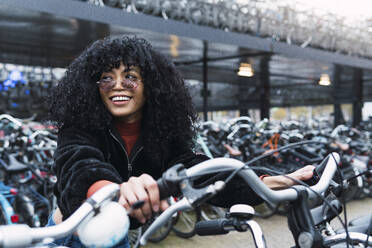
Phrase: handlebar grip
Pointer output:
(317, 173)
(164, 191)
(168, 184)
(211, 227)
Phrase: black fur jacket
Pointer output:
(84, 157)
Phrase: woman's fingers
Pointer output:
(142, 188)
(139, 190)
(129, 197)
(164, 205)
(304, 173)
(153, 191)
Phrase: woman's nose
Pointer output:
(118, 83)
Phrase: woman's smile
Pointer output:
(120, 99)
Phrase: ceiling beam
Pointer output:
(235, 56)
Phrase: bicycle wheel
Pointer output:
(265, 211)
(210, 212)
(184, 223)
(135, 237)
(161, 233)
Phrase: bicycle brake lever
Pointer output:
(317, 172)
(196, 196)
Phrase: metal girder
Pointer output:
(282, 75)
(245, 55)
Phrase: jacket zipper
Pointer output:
(130, 168)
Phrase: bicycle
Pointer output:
(7, 197)
(177, 180)
(100, 210)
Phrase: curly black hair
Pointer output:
(168, 114)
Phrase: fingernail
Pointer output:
(143, 221)
(156, 208)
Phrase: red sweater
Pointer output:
(129, 132)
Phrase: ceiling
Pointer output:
(33, 35)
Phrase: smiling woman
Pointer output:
(124, 116)
(121, 91)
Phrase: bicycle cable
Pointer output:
(272, 152)
(343, 200)
(369, 229)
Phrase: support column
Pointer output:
(357, 96)
(338, 116)
(205, 80)
(243, 88)
(265, 87)
(243, 112)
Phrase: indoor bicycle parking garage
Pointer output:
(276, 86)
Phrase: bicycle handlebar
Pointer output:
(22, 235)
(353, 236)
(269, 195)
(12, 119)
(251, 178)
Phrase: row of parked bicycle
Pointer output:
(27, 147)
(26, 181)
(243, 139)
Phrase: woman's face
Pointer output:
(124, 103)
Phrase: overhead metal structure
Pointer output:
(50, 33)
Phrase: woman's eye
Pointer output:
(106, 78)
(130, 76)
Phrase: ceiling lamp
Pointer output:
(175, 42)
(324, 80)
(245, 70)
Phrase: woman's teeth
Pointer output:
(121, 98)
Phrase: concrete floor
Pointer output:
(275, 230)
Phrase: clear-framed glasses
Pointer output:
(127, 83)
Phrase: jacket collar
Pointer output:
(137, 146)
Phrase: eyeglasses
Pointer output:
(127, 83)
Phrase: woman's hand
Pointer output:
(282, 182)
(142, 188)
